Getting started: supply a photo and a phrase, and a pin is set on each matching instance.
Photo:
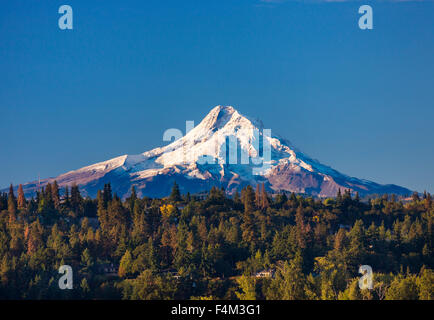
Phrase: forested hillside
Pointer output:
(249, 246)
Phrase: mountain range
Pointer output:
(226, 149)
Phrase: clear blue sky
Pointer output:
(360, 101)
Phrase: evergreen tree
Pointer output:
(107, 194)
(126, 265)
(131, 200)
(3, 201)
(403, 288)
(258, 200)
(352, 292)
(12, 205)
(248, 199)
(236, 197)
(264, 198)
(247, 286)
(76, 200)
(21, 198)
(66, 197)
(303, 228)
(339, 197)
(292, 281)
(55, 194)
(175, 194)
(87, 261)
(85, 288)
(425, 284)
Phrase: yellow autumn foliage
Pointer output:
(167, 210)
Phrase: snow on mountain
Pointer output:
(225, 149)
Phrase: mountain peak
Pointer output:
(224, 109)
(218, 117)
(223, 150)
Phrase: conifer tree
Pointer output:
(301, 227)
(76, 200)
(12, 205)
(3, 201)
(293, 280)
(131, 200)
(175, 194)
(55, 194)
(236, 197)
(21, 198)
(248, 288)
(66, 197)
(126, 264)
(47, 193)
(258, 199)
(357, 198)
(339, 196)
(187, 197)
(248, 199)
(107, 194)
(264, 198)
(85, 288)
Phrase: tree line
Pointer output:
(251, 245)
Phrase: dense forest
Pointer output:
(251, 245)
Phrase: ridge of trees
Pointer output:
(187, 247)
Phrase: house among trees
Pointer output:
(265, 274)
(171, 272)
(108, 269)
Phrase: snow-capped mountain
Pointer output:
(227, 150)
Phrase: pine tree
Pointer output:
(66, 197)
(35, 240)
(236, 197)
(248, 199)
(340, 239)
(55, 194)
(357, 198)
(12, 205)
(3, 201)
(175, 195)
(126, 264)
(48, 196)
(425, 283)
(248, 288)
(133, 193)
(294, 280)
(107, 194)
(301, 227)
(264, 198)
(339, 196)
(76, 200)
(85, 289)
(258, 201)
(21, 198)
(352, 292)
(152, 255)
(187, 198)
(87, 260)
